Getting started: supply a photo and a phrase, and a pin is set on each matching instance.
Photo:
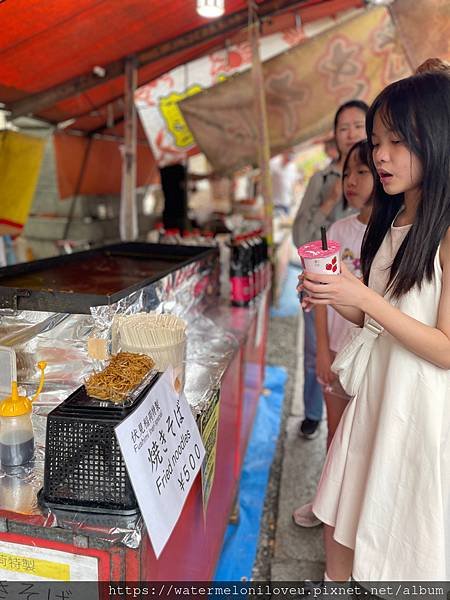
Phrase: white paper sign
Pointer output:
(163, 453)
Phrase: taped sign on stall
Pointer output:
(209, 421)
(163, 453)
(19, 562)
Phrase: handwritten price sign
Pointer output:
(163, 453)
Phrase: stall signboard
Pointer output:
(19, 562)
(163, 453)
(303, 85)
(209, 421)
(157, 102)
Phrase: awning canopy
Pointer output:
(65, 60)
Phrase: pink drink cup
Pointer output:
(322, 262)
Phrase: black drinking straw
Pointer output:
(323, 233)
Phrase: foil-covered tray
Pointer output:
(76, 282)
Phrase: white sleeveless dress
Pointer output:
(385, 486)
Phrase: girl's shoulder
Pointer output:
(346, 223)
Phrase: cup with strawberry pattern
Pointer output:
(316, 260)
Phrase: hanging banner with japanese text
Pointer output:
(158, 101)
(303, 86)
(163, 453)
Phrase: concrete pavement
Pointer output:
(298, 552)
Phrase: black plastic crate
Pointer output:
(84, 468)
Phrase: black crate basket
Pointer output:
(84, 468)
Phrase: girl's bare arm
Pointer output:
(430, 343)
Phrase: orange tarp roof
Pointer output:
(102, 171)
(45, 46)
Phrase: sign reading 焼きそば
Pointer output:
(163, 453)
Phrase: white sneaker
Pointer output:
(304, 516)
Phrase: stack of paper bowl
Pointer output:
(162, 337)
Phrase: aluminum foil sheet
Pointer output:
(20, 487)
(61, 340)
(210, 349)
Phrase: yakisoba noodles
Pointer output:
(124, 372)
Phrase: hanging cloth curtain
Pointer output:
(20, 163)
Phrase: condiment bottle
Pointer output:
(16, 428)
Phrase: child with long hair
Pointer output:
(332, 329)
(384, 493)
(321, 206)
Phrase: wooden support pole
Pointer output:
(262, 131)
(128, 222)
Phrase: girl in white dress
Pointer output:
(384, 493)
(332, 330)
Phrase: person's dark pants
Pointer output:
(312, 390)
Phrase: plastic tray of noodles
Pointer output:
(121, 382)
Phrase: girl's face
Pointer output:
(400, 170)
(357, 182)
(350, 128)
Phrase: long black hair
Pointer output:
(417, 109)
(364, 153)
(360, 104)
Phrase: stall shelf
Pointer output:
(118, 549)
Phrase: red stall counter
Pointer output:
(52, 545)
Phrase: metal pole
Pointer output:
(128, 222)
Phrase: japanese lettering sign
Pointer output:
(12, 589)
(20, 562)
(163, 453)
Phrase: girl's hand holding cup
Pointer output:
(321, 257)
(342, 290)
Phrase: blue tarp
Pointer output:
(289, 305)
(241, 540)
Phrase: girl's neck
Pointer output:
(408, 214)
(364, 214)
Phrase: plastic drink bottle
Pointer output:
(16, 428)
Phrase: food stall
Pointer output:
(61, 311)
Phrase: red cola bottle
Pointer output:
(240, 273)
